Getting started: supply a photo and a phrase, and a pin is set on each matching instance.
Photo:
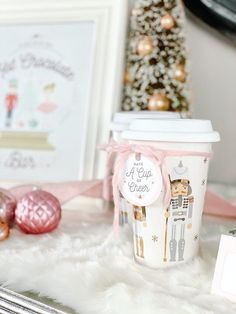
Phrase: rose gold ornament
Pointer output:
(126, 77)
(159, 102)
(7, 206)
(179, 73)
(38, 212)
(145, 46)
(4, 231)
(167, 21)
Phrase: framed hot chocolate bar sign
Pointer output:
(60, 82)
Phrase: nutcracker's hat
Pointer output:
(179, 173)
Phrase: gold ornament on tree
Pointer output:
(167, 21)
(145, 46)
(127, 79)
(180, 73)
(159, 102)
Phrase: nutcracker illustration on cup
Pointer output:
(179, 214)
(139, 225)
(11, 101)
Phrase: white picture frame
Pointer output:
(109, 18)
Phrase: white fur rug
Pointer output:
(81, 266)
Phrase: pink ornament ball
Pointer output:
(38, 212)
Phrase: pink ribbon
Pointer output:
(157, 156)
(214, 205)
(217, 206)
(64, 191)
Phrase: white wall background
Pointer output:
(213, 72)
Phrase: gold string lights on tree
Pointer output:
(157, 58)
(180, 73)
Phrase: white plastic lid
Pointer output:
(122, 119)
(172, 130)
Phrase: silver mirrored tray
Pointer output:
(29, 303)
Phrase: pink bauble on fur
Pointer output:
(38, 212)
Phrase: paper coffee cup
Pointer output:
(166, 234)
(120, 123)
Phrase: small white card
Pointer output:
(224, 281)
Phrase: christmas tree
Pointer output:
(156, 76)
